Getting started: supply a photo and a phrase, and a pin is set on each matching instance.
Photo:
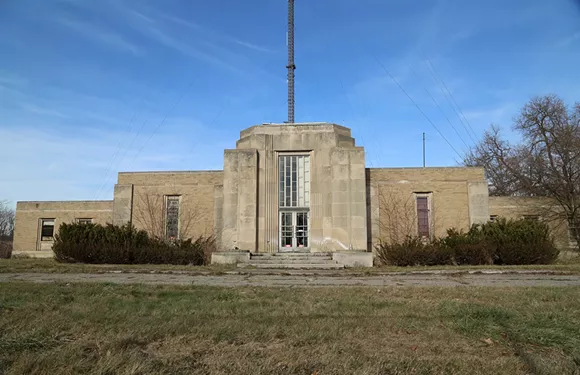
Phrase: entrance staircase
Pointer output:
(319, 261)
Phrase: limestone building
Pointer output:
(284, 188)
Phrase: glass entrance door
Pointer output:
(294, 231)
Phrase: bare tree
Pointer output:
(7, 216)
(545, 163)
(150, 214)
(397, 217)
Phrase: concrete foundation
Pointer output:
(230, 257)
(353, 258)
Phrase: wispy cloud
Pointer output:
(100, 35)
(255, 47)
(42, 111)
(76, 166)
(11, 79)
(569, 40)
(152, 29)
(491, 115)
(215, 34)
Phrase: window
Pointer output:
(84, 221)
(294, 181)
(46, 229)
(172, 217)
(573, 231)
(423, 224)
(492, 217)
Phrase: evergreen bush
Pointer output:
(111, 244)
(510, 242)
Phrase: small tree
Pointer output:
(545, 163)
(7, 216)
(397, 217)
(150, 215)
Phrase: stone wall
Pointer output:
(337, 187)
(456, 199)
(29, 215)
(197, 190)
(545, 208)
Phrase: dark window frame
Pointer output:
(422, 205)
(47, 231)
(172, 211)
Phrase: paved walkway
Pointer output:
(233, 280)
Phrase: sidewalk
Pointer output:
(234, 279)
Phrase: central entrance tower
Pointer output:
(294, 187)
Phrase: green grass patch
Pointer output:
(135, 329)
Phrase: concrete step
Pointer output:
(318, 260)
(304, 266)
(291, 256)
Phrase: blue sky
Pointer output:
(89, 88)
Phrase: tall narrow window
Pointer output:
(172, 217)
(573, 232)
(423, 216)
(46, 229)
(294, 181)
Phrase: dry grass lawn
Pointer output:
(132, 329)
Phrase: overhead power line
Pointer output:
(418, 107)
(449, 96)
(441, 110)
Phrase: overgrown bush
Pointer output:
(413, 252)
(509, 242)
(5, 249)
(521, 241)
(470, 248)
(110, 244)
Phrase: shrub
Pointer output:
(413, 252)
(110, 244)
(5, 249)
(468, 248)
(502, 241)
(521, 241)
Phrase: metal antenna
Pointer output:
(423, 150)
(291, 66)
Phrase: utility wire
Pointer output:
(438, 78)
(441, 110)
(104, 179)
(416, 105)
(152, 134)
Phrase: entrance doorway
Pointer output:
(294, 231)
(294, 202)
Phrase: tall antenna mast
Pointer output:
(291, 66)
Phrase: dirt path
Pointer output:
(443, 280)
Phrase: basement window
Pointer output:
(492, 218)
(46, 229)
(84, 221)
